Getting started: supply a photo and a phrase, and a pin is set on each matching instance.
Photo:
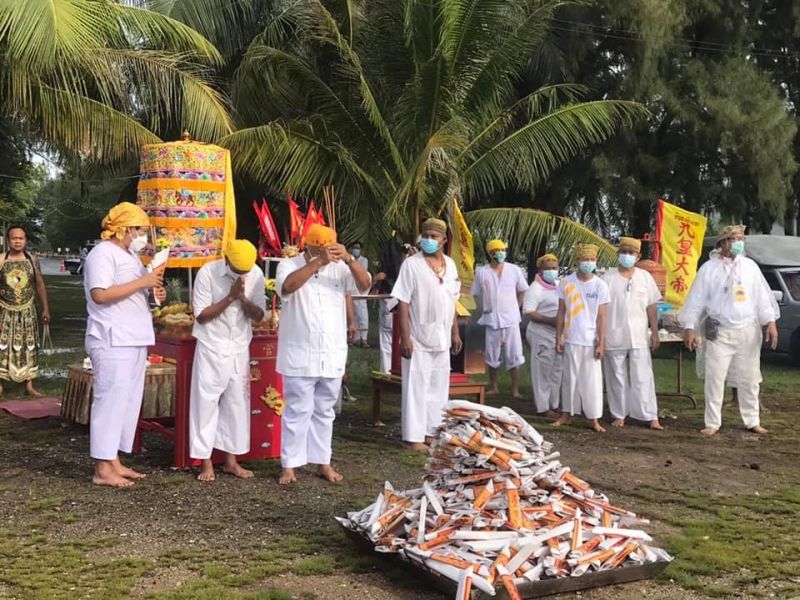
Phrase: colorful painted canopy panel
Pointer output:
(187, 190)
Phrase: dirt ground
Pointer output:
(728, 508)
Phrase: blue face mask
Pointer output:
(429, 246)
(587, 266)
(626, 261)
(737, 247)
(356, 252)
(550, 275)
(500, 256)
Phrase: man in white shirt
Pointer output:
(730, 301)
(580, 336)
(312, 347)
(541, 306)
(499, 288)
(228, 296)
(427, 289)
(627, 366)
(360, 306)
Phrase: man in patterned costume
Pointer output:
(20, 276)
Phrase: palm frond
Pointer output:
(293, 155)
(527, 229)
(526, 156)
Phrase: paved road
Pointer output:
(51, 266)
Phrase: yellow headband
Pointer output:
(630, 244)
(545, 258)
(434, 225)
(122, 216)
(586, 252)
(495, 245)
(320, 235)
(241, 255)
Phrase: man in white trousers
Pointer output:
(427, 289)
(228, 297)
(360, 306)
(312, 347)
(499, 288)
(627, 366)
(580, 335)
(730, 301)
(541, 306)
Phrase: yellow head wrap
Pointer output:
(730, 231)
(320, 235)
(630, 244)
(586, 252)
(545, 258)
(495, 245)
(434, 225)
(122, 216)
(241, 255)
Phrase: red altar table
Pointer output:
(265, 385)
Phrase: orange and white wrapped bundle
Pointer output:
(497, 510)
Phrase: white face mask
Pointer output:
(138, 243)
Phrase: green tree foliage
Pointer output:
(721, 138)
(100, 78)
(402, 105)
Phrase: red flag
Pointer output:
(295, 221)
(268, 229)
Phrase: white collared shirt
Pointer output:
(232, 330)
(542, 299)
(499, 295)
(312, 337)
(734, 292)
(432, 302)
(626, 320)
(126, 322)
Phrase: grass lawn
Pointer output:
(728, 507)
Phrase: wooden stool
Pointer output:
(392, 383)
(158, 398)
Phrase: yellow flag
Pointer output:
(681, 234)
(462, 252)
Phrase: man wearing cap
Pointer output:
(627, 366)
(541, 306)
(312, 347)
(228, 296)
(499, 288)
(580, 335)
(427, 289)
(728, 305)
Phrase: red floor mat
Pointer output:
(37, 408)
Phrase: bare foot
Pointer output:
(127, 472)
(757, 429)
(327, 472)
(237, 470)
(32, 391)
(709, 431)
(106, 474)
(287, 477)
(655, 424)
(378, 424)
(550, 414)
(619, 423)
(207, 471)
(517, 396)
(112, 480)
(492, 392)
(564, 419)
(415, 446)
(595, 426)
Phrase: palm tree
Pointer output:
(98, 79)
(404, 104)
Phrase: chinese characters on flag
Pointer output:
(681, 235)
